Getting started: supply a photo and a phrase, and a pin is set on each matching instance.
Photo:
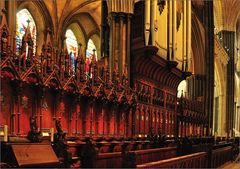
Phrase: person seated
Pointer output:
(34, 134)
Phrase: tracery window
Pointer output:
(72, 47)
(89, 53)
(23, 19)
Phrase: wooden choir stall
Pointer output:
(91, 117)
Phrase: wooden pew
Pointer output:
(196, 160)
(109, 160)
(221, 156)
(149, 155)
(115, 160)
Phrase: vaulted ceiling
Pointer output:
(83, 17)
(87, 13)
(226, 14)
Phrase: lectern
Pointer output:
(33, 155)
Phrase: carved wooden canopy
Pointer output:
(149, 64)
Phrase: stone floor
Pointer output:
(231, 165)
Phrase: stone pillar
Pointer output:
(117, 56)
(209, 55)
(221, 127)
(112, 24)
(228, 44)
(122, 45)
(120, 34)
(12, 8)
(147, 22)
(184, 35)
(104, 31)
(169, 29)
(188, 34)
(237, 117)
(128, 44)
(153, 18)
(174, 29)
(195, 86)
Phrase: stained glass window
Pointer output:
(23, 19)
(72, 46)
(90, 47)
(89, 53)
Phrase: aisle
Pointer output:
(232, 165)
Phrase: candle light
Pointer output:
(5, 139)
(52, 134)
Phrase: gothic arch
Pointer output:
(82, 23)
(198, 49)
(41, 17)
(79, 33)
(86, 22)
(218, 18)
(96, 40)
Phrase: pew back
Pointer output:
(115, 160)
(196, 160)
(149, 155)
(221, 156)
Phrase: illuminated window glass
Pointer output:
(90, 47)
(23, 17)
(72, 46)
(89, 53)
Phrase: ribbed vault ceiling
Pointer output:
(226, 14)
(87, 13)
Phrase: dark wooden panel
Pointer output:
(197, 160)
(34, 154)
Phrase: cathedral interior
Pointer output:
(119, 83)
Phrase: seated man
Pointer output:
(34, 134)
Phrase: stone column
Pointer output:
(209, 54)
(228, 44)
(117, 58)
(120, 30)
(169, 29)
(122, 45)
(112, 24)
(195, 86)
(147, 22)
(104, 30)
(12, 8)
(153, 18)
(174, 28)
(188, 37)
(237, 117)
(184, 35)
(128, 44)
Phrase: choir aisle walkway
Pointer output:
(231, 165)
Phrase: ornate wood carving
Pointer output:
(161, 4)
(179, 17)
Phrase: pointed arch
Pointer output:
(96, 41)
(25, 19)
(198, 49)
(42, 18)
(72, 46)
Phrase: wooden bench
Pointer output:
(149, 155)
(109, 160)
(221, 156)
(115, 160)
(196, 160)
